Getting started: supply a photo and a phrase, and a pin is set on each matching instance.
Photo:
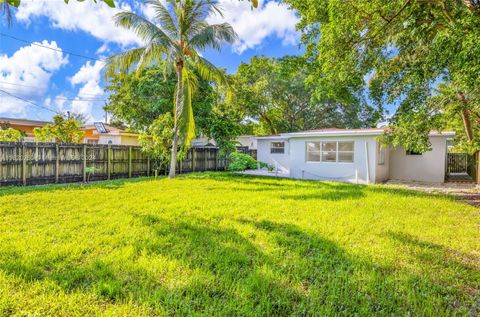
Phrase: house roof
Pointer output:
(334, 132)
(24, 122)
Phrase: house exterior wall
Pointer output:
(110, 139)
(294, 161)
(428, 167)
(335, 171)
(28, 130)
(129, 140)
(281, 161)
(382, 171)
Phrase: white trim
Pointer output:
(341, 133)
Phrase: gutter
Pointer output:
(286, 136)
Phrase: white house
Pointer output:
(353, 155)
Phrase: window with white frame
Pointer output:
(345, 152)
(313, 152)
(330, 151)
(277, 147)
(381, 154)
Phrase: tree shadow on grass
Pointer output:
(226, 270)
(106, 184)
(447, 264)
(299, 190)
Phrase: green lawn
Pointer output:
(216, 244)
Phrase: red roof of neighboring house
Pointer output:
(340, 130)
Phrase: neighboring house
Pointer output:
(248, 141)
(353, 155)
(202, 141)
(97, 133)
(102, 133)
(24, 125)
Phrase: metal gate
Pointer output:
(461, 166)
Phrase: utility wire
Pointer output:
(28, 101)
(51, 48)
(78, 98)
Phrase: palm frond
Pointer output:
(145, 29)
(123, 62)
(214, 36)
(208, 71)
(163, 16)
(186, 120)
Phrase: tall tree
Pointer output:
(138, 99)
(399, 52)
(275, 92)
(181, 32)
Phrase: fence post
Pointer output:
(108, 161)
(216, 158)
(477, 167)
(129, 161)
(57, 162)
(148, 166)
(194, 157)
(24, 165)
(84, 163)
(205, 159)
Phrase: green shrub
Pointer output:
(240, 162)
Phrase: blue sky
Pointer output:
(58, 80)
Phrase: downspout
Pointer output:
(368, 163)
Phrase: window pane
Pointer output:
(329, 146)
(345, 146)
(313, 156)
(277, 147)
(413, 153)
(345, 156)
(329, 156)
(313, 147)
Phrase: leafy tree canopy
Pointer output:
(422, 56)
(61, 130)
(276, 93)
(138, 99)
(10, 135)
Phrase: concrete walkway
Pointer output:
(467, 191)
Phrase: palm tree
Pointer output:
(175, 41)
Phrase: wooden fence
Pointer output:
(45, 163)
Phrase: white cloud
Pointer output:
(89, 76)
(253, 26)
(27, 74)
(88, 16)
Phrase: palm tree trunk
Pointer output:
(177, 114)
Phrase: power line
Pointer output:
(28, 101)
(15, 84)
(78, 98)
(51, 48)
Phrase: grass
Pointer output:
(216, 244)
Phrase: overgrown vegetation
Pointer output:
(61, 130)
(240, 162)
(221, 244)
(10, 135)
